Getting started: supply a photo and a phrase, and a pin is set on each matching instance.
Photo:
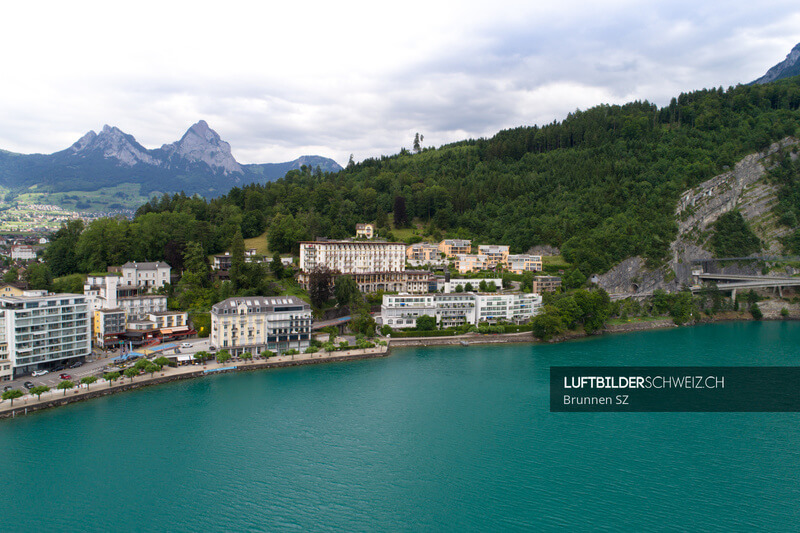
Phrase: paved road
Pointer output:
(93, 367)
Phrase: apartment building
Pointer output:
(546, 284)
(108, 327)
(256, 324)
(454, 247)
(423, 252)
(471, 263)
(496, 254)
(365, 231)
(148, 276)
(110, 291)
(455, 309)
(507, 307)
(40, 329)
(450, 286)
(524, 263)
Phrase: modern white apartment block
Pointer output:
(524, 263)
(39, 329)
(454, 247)
(256, 324)
(450, 286)
(148, 276)
(454, 309)
(516, 307)
(496, 254)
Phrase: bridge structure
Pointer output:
(734, 282)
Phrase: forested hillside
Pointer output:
(602, 185)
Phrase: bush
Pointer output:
(784, 312)
(312, 349)
(386, 330)
(756, 311)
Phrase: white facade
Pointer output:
(149, 276)
(450, 286)
(256, 324)
(43, 328)
(23, 252)
(102, 292)
(454, 309)
(348, 257)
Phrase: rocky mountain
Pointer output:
(200, 162)
(785, 69)
(744, 188)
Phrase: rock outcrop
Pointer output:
(785, 69)
(743, 188)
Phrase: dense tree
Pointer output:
(38, 276)
(39, 390)
(65, 386)
(12, 395)
(426, 323)
(346, 291)
(111, 377)
(320, 285)
(399, 212)
(88, 381)
(733, 237)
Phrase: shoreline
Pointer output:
(55, 398)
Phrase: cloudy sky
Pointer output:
(282, 79)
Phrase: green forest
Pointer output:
(602, 185)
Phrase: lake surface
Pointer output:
(436, 439)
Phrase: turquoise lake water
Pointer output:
(434, 439)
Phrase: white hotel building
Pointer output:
(259, 323)
(38, 329)
(375, 266)
(454, 309)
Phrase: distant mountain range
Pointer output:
(200, 162)
(785, 69)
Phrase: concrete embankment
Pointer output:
(56, 398)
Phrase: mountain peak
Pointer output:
(785, 69)
(113, 143)
(201, 144)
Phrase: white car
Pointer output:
(186, 345)
(38, 373)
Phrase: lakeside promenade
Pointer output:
(54, 398)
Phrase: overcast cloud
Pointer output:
(361, 77)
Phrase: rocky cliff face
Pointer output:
(743, 188)
(112, 143)
(201, 144)
(785, 69)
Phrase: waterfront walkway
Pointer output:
(54, 397)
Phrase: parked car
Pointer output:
(38, 373)
(7, 388)
(65, 376)
(186, 345)
(59, 368)
(76, 364)
(28, 385)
